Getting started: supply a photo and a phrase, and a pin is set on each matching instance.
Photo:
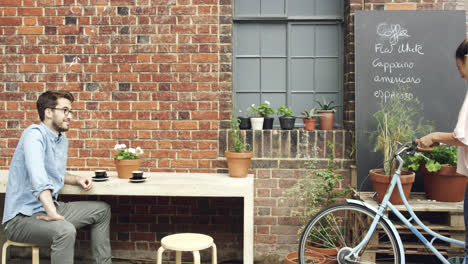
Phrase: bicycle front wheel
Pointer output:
(341, 227)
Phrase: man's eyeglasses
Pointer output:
(66, 111)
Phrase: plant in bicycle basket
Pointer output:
(318, 190)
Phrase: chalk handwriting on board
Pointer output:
(393, 32)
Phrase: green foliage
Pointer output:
(442, 155)
(238, 144)
(255, 110)
(264, 109)
(284, 111)
(124, 155)
(309, 114)
(319, 189)
(326, 106)
(398, 120)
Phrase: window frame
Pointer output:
(289, 22)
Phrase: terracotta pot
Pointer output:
(329, 253)
(238, 163)
(326, 120)
(268, 122)
(125, 167)
(293, 257)
(445, 185)
(381, 181)
(309, 123)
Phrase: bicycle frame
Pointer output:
(413, 217)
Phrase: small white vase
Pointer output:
(257, 123)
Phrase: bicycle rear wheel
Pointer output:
(341, 227)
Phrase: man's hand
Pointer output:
(85, 183)
(54, 217)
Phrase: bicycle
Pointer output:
(357, 232)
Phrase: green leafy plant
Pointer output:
(254, 109)
(326, 106)
(397, 120)
(238, 144)
(309, 114)
(317, 190)
(442, 155)
(264, 109)
(284, 111)
(127, 153)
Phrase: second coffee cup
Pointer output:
(137, 175)
(100, 174)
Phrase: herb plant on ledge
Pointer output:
(286, 117)
(238, 157)
(327, 114)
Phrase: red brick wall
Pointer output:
(144, 73)
(158, 74)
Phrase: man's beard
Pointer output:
(59, 128)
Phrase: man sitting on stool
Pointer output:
(37, 173)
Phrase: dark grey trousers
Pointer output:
(60, 235)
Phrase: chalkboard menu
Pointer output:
(414, 49)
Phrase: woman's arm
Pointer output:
(439, 137)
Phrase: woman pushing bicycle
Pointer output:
(459, 137)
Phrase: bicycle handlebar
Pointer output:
(410, 148)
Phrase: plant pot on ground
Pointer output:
(329, 252)
(313, 258)
(287, 120)
(238, 159)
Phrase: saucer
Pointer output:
(137, 180)
(100, 179)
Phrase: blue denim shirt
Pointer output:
(38, 164)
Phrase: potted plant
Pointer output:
(127, 160)
(286, 117)
(265, 110)
(238, 158)
(397, 120)
(441, 180)
(244, 120)
(256, 120)
(309, 118)
(316, 191)
(327, 114)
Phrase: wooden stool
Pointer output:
(187, 242)
(35, 250)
